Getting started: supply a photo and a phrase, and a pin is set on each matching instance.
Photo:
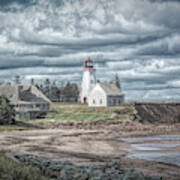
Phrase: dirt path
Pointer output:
(76, 145)
(81, 147)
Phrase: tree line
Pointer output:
(64, 93)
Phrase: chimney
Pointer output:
(17, 79)
(19, 91)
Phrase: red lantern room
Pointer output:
(89, 64)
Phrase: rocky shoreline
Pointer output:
(69, 171)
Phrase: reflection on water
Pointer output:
(158, 150)
(153, 138)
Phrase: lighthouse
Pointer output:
(88, 80)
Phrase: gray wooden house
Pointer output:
(28, 101)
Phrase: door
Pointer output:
(85, 100)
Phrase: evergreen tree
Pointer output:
(7, 112)
(46, 89)
(67, 91)
(55, 92)
(71, 92)
(75, 91)
(32, 81)
(117, 81)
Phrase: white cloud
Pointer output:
(139, 40)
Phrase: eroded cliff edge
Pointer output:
(157, 113)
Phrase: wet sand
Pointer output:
(95, 147)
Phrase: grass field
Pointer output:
(80, 113)
(67, 113)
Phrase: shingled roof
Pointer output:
(23, 94)
(28, 96)
(111, 89)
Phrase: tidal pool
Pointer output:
(164, 149)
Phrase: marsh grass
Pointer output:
(11, 170)
(13, 128)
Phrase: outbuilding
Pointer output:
(105, 94)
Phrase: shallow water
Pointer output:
(167, 157)
(153, 138)
(155, 148)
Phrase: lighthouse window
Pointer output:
(94, 102)
(100, 101)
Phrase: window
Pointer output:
(119, 101)
(94, 102)
(9, 96)
(21, 115)
(114, 101)
(38, 105)
(101, 101)
(111, 102)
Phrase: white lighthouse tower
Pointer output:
(88, 80)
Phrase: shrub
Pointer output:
(7, 112)
(11, 170)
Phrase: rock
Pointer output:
(153, 178)
(69, 171)
(133, 175)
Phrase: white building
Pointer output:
(88, 80)
(105, 94)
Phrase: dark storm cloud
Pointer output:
(9, 5)
(80, 44)
(164, 1)
(8, 2)
(16, 62)
(169, 46)
(137, 39)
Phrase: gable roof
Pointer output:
(111, 89)
(28, 96)
(23, 94)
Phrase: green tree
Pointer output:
(55, 92)
(71, 92)
(7, 112)
(117, 81)
(32, 81)
(46, 89)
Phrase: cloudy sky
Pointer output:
(137, 39)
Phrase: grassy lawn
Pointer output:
(66, 113)
(11, 170)
(80, 113)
